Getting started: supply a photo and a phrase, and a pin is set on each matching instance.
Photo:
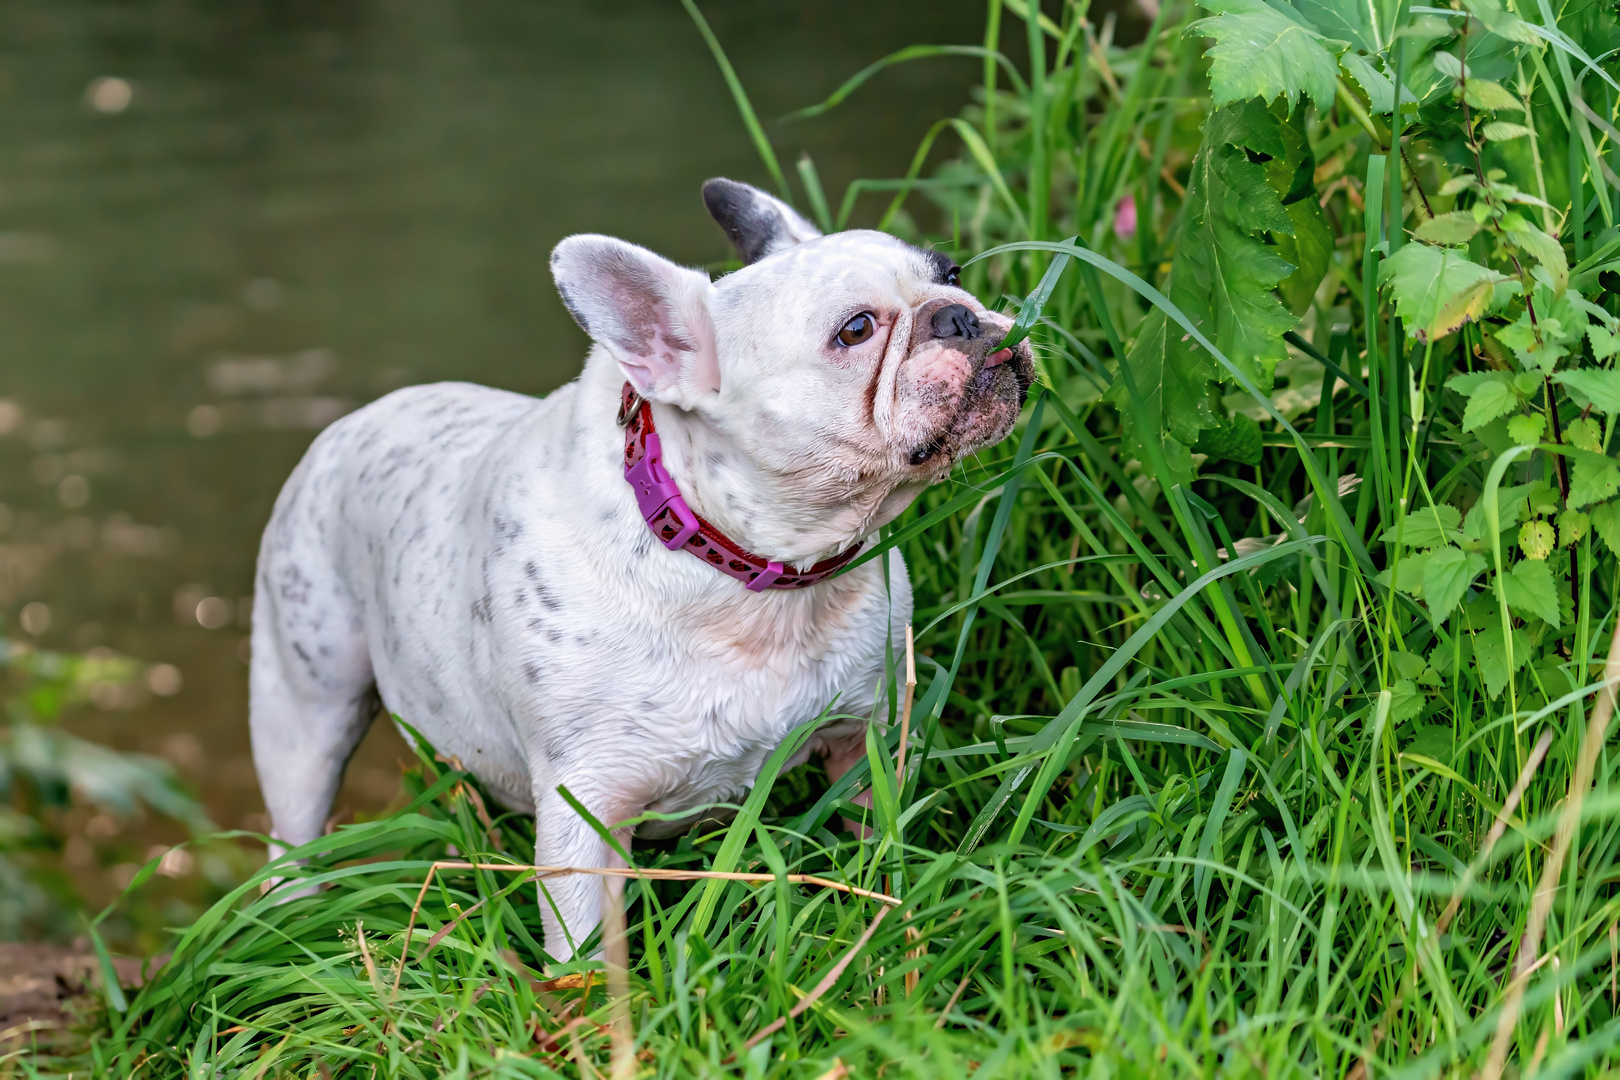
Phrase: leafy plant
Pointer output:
(46, 771)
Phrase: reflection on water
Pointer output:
(222, 226)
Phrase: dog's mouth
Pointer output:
(994, 396)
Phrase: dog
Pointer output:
(565, 592)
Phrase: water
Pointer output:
(264, 214)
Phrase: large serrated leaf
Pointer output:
(1446, 577)
(1606, 523)
(1261, 52)
(1341, 20)
(1222, 278)
(1600, 386)
(1449, 229)
(1309, 246)
(1486, 94)
(1594, 478)
(1436, 290)
(1529, 590)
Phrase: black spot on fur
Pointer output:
(750, 229)
(945, 268)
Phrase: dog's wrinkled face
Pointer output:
(853, 366)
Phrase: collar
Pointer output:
(677, 527)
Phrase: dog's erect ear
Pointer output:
(652, 313)
(758, 224)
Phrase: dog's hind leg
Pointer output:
(311, 695)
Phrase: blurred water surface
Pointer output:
(223, 225)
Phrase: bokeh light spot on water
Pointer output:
(73, 491)
(262, 294)
(11, 416)
(164, 680)
(185, 750)
(109, 94)
(213, 612)
(48, 468)
(205, 420)
(47, 434)
(177, 862)
(35, 618)
(102, 827)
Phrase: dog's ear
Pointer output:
(653, 314)
(758, 224)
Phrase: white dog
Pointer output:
(507, 574)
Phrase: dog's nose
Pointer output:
(956, 321)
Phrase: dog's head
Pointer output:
(844, 373)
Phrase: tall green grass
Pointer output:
(1191, 789)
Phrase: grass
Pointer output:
(1190, 788)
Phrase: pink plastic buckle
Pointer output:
(656, 490)
(766, 577)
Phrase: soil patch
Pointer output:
(40, 985)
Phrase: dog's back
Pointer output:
(370, 512)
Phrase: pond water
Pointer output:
(224, 225)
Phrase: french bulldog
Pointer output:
(565, 592)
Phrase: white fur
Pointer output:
(477, 557)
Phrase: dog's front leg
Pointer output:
(571, 904)
(842, 752)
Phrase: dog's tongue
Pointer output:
(996, 359)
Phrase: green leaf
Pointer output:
(1536, 540)
(1485, 94)
(1447, 65)
(1408, 665)
(1309, 244)
(1593, 479)
(1502, 131)
(1433, 741)
(1490, 394)
(1409, 573)
(1529, 588)
(1520, 336)
(1259, 52)
(1501, 22)
(1600, 386)
(1450, 229)
(1510, 507)
(1606, 523)
(1573, 526)
(1490, 657)
(1446, 577)
(1342, 20)
(1222, 278)
(1545, 250)
(1426, 527)
(1526, 430)
(1310, 249)
(1541, 497)
(1380, 91)
(1406, 701)
(1238, 439)
(1436, 290)
(1585, 433)
(1605, 342)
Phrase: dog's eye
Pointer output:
(857, 330)
(953, 277)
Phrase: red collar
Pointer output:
(676, 526)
